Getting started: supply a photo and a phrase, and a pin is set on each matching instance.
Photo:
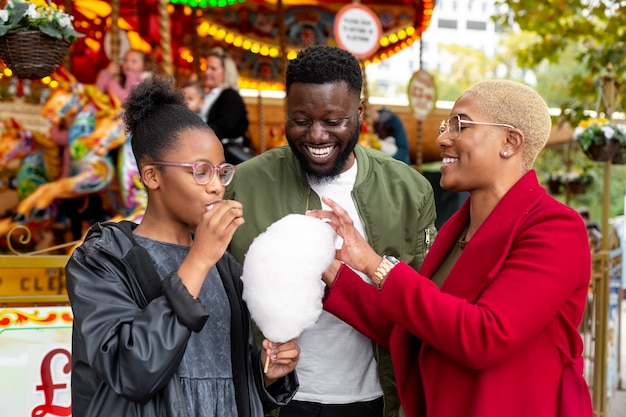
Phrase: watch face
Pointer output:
(393, 260)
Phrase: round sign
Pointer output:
(358, 30)
(421, 94)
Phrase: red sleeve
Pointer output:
(545, 275)
(357, 303)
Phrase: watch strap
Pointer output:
(385, 266)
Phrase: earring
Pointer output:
(505, 153)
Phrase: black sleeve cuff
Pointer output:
(190, 311)
(277, 394)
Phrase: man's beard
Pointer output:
(322, 177)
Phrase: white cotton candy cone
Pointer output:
(282, 275)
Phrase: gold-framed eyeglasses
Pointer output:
(203, 171)
(454, 125)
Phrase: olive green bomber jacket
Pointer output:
(395, 204)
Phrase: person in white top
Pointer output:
(342, 373)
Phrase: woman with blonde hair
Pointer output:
(488, 327)
(224, 110)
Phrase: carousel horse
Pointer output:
(91, 169)
(94, 134)
(28, 159)
(93, 128)
(24, 152)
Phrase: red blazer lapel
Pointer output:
(484, 255)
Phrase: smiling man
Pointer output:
(341, 373)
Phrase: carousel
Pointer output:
(261, 36)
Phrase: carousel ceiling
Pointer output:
(250, 29)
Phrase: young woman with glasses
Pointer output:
(488, 327)
(160, 327)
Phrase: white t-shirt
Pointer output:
(209, 99)
(337, 364)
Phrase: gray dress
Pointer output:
(205, 370)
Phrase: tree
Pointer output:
(593, 28)
(470, 66)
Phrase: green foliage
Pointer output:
(555, 162)
(471, 66)
(37, 15)
(598, 132)
(594, 31)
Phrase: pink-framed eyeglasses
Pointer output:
(203, 171)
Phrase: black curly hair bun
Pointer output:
(148, 97)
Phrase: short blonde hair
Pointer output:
(231, 74)
(516, 104)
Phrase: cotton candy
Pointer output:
(282, 275)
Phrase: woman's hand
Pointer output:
(355, 250)
(283, 358)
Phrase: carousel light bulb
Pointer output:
(203, 29)
(238, 41)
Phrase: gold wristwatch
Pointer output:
(386, 265)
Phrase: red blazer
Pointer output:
(500, 338)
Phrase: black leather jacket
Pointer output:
(131, 331)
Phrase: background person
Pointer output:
(390, 130)
(160, 327)
(118, 79)
(489, 325)
(224, 110)
(341, 373)
(194, 97)
(593, 229)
